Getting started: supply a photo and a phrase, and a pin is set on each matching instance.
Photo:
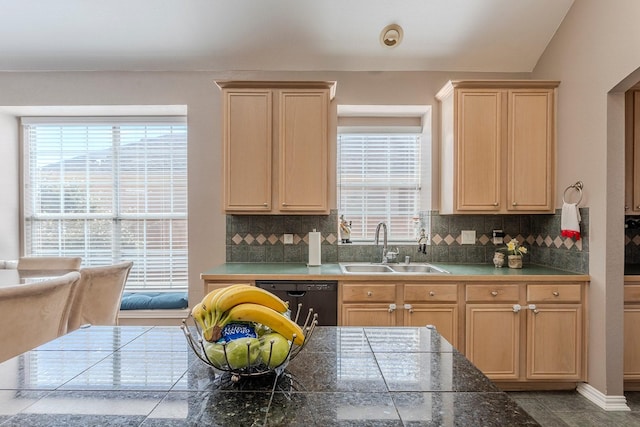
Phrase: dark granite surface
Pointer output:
(345, 376)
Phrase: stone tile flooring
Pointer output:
(569, 408)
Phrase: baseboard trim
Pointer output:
(608, 403)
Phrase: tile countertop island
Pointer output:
(139, 376)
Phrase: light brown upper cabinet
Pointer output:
(276, 147)
(497, 146)
(632, 152)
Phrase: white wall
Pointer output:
(196, 90)
(595, 49)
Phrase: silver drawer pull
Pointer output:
(494, 293)
(369, 293)
(432, 294)
(556, 293)
(392, 308)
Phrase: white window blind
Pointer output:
(379, 180)
(108, 190)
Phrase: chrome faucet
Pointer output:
(384, 241)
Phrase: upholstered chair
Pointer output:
(97, 297)
(34, 313)
(49, 263)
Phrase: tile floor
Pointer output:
(569, 408)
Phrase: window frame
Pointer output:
(116, 216)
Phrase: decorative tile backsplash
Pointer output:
(260, 238)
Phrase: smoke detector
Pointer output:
(391, 35)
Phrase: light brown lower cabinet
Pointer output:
(632, 336)
(514, 332)
(391, 304)
(526, 332)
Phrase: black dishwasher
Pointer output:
(321, 295)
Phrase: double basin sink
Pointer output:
(371, 268)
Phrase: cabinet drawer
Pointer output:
(632, 293)
(553, 293)
(429, 292)
(492, 293)
(368, 293)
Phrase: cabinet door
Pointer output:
(368, 315)
(635, 206)
(443, 316)
(632, 343)
(478, 150)
(247, 150)
(492, 341)
(554, 342)
(530, 148)
(303, 127)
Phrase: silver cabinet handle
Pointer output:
(432, 294)
(495, 203)
(369, 293)
(408, 307)
(514, 204)
(516, 308)
(392, 308)
(556, 293)
(533, 308)
(494, 293)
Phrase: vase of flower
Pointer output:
(498, 259)
(515, 251)
(515, 261)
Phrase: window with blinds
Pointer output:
(379, 180)
(108, 190)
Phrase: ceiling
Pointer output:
(286, 35)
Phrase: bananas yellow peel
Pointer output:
(251, 312)
(240, 295)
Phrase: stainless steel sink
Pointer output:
(365, 268)
(418, 268)
(370, 268)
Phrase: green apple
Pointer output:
(240, 353)
(243, 352)
(215, 353)
(275, 355)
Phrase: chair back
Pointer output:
(34, 313)
(49, 263)
(97, 298)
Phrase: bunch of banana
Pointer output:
(244, 303)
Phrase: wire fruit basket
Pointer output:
(249, 357)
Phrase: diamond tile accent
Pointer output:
(459, 239)
(530, 239)
(557, 242)
(449, 239)
(331, 238)
(548, 241)
(273, 239)
(249, 239)
(636, 240)
(484, 239)
(579, 245)
(568, 242)
(437, 239)
(306, 239)
(261, 239)
(296, 239)
(236, 239)
(539, 240)
(627, 239)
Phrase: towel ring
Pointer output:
(577, 186)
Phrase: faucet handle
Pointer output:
(391, 254)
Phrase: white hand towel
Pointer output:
(570, 221)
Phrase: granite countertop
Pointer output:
(300, 271)
(147, 376)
